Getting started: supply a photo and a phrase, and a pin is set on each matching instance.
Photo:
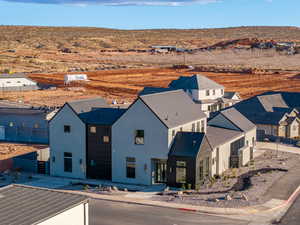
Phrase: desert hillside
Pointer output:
(65, 49)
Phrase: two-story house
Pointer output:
(206, 92)
(143, 135)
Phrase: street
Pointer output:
(113, 213)
(292, 217)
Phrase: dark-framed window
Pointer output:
(207, 92)
(67, 128)
(139, 137)
(130, 167)
(198, 126)
(181, 172)
(202, 126)
(193, 127)
(214, 92)
(68, 162)
(201, 170)
(173, 133)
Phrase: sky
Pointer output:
(146, 14)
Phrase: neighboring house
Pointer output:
(17, 82)
(228, 143)
(274, 113)
(24, 123)
(26, 205)
(206, 92)
(143, 135)
(80, 139)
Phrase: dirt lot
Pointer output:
(9, 150)
(124, 85)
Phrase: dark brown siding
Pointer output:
(99, 153)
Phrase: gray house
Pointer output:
(20, 123)
(276, 114)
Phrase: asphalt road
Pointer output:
(292, 217)
(114, 213)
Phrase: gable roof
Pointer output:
(196, 81)
(102, 116)
(217, 136)
(187, 144)
(269, 107)
(238, 119)
(25, 205)
(86, 105)
(173, 108)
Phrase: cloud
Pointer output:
(118, 2)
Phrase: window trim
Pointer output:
(138, 138)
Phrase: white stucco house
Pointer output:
(206, 92)
(26, 205)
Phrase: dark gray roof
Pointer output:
(153, 90)
(173, 108)
(229, 94)
(198, 81)
(187, 144)
(102, 116)
(86, 105)
(217, 136)
(14, 75)
(238, 119)
(269, 107)
(24, 205)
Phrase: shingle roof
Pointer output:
(187, 144)
(102, 116)
(25, 205)
(198, 81)
(269, 107)
(86, 105)
(238, 119)
(217, 136)
(173, 108)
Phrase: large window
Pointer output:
(67, 128)
(68, 162)
(139, 137)
(180, 172)
(130, 167)
(235, 146)
(201, 170)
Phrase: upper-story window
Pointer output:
(105, 139)
(193, 127)
(222, 91)
(202, 126)
(93, 130)
(139, 137)
(214, 92)
(198, 127)
(67, 128)
(207, 92)
(173, 133)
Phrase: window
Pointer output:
(139, 137)
(222, 91)
(253, 140)
(198, 126)
(93, 130)
(68, 162)
(93, 163)
(105, 139)
(202, 126)
(11, 124)
(193, 127)
(36, 125)
(181, 129)
(201, 170)
(67, 128)
(180, 172)
(173, 133)
(208, 108)
(130, 167)
(207, 92)
(207, 166)
(214, 92)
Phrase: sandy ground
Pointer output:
(124, 84)
(9, 150)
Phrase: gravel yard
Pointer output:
(228, 191)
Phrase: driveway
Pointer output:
(112, 213)
(293, 215)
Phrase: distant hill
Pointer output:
(100, 38)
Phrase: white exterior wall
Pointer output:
(201, 94)
(73, 142)
(138, 117)
(15, 82)
(78, 215)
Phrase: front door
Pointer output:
(159, 171)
